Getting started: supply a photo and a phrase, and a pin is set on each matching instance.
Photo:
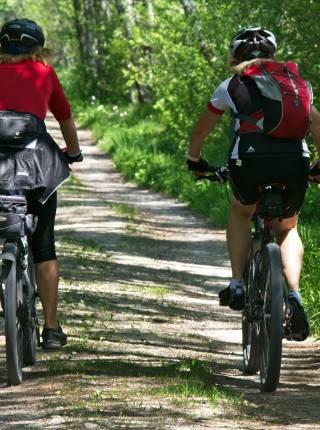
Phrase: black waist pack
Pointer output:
(17, 129)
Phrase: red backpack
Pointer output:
(286, 100)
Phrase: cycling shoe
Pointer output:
(233, 298)
(297, 327)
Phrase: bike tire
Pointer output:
(271, 324)
(29, 345)
(250, 345)
(31, 325)
(13, 298)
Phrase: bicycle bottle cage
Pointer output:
(271, 204)
(14, 220)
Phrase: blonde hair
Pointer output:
(240, 67)
(36, 54)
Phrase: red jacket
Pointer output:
(33, 87)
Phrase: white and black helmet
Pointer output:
(253, 42)
(20, 36)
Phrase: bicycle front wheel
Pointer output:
(271, 324)
(13, 298)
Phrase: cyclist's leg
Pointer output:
(292, 257)
(47, 278)
(238, 236)
(291, 250)
(245, 195)
(238, 231)
(296, 179)
(45, 260)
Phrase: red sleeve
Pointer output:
(58, 103)
(215, 110)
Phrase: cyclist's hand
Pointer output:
(73, 158)
(314, 172)
(198, 168)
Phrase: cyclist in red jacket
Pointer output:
(254, 158)
(29, 87)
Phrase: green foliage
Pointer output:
(310, 235)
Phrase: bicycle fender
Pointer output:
(9, 252)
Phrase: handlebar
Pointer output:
(218, 174)
(221, 173)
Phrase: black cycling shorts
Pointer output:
(291, 170)
(42, 240)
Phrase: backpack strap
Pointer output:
(246, 118)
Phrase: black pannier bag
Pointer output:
(15, 222)
(17, 129)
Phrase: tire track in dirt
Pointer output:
(141, 274)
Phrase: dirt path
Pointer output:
(149, 347)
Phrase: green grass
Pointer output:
(195, 380)
(310, 235)
(129, 211)
(153, 290)
(186, 381)
(194, 391)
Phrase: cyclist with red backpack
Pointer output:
(272, 112)
(29, 158)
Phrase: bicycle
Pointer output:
(18, 288)
(265, 317)
(266, 313)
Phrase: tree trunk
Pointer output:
(79, 29)
(90, 39)
(190, 9)
(105, 6)
(189, 6)
(102, 19)
(149, 6)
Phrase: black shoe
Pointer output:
(235, 301)
(53, 338)
(297, 327)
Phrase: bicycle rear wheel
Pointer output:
(249, 325)
(271, 324)
(13, 298)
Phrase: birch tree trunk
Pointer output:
(190, 8)
(105, 6)
(149, 6)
